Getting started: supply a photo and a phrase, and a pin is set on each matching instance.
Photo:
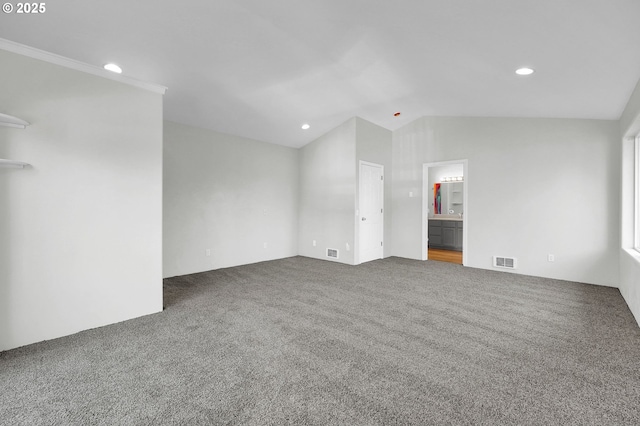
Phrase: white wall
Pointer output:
(228, 194)
(535, 187)
(629, 258)
(80, 230)
(327, 194)
(373, 144)
(329, 188)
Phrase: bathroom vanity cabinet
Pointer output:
(445, 234)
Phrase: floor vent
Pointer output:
(504, 262)
(333, 253)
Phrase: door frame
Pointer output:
(358, 250)
(426, 197)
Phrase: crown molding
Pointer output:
(52, 58)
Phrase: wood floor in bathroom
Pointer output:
(445, 256)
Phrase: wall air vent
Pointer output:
(333, 253)
(505, 262)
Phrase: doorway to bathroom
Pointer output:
(445, 211)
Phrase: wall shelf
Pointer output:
(12, 164)
(11, 121)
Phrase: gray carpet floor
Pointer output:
(303, 341)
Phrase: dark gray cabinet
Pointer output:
(458, 237)
(435, 234)
(445, 234)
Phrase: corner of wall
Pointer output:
(327, 192)
(630, 118)
(629, 264)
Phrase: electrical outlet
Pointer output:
(348, 247)
(551, 258)
(208, 252)
(265, 245)
(314, 243)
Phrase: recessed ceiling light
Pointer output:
(305, 126)
(113, 68)
(524, 71)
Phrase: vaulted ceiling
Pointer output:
(261, 69)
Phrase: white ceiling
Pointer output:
(261, 69)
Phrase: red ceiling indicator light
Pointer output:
(397, 114)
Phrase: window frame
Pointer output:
(636, 194)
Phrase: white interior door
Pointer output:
(371, 202)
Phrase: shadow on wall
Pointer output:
(5, 256)
(8, 175)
